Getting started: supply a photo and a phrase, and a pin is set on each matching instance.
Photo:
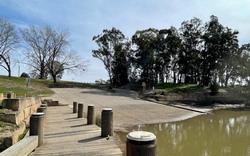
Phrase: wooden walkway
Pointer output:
(65, 134)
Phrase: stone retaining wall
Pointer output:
(22, 109)
(1, 96)
(197, 97)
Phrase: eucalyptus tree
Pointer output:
(213, 49)
(173, 47)
(9, 41)
(230, 64)
(220, 55)
(145, 53)
(190, 55)
(245, 63)
(113, 50)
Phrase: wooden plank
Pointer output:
(23, 147)
(65, 134)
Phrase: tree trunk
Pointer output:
(54, 78)
(9, 71)
(174, 77)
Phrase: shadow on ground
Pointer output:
(118, 92)
(90, 139)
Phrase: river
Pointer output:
(225, 133)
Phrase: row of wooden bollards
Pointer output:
(106, 119)
(37, 123)
(139, 143)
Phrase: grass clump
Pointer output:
(21, 136)
(5, 111)
(5, 126)
(175, 88)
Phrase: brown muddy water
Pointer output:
(225, 133)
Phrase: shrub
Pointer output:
(214, 88)
(205, 102)
(25, 75)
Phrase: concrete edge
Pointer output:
(176, 106)
(23, 147)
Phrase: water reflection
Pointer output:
(226, 133)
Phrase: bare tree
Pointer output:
(38, 47)
(8, 43)
(48, 51)
(65, 61)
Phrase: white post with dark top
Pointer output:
(141, 143)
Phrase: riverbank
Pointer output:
(129, 110)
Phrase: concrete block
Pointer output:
(11, 118)
(12, 104)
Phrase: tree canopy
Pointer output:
(197, 53)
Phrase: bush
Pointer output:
(214, 88)
(25, 75)
(205, 102)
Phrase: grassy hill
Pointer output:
(37, 86)
(18, 86)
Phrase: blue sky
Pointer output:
(86, 18)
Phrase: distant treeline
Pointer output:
(197, 53)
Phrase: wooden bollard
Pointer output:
(80, 110)
(75, 107)
(36, 126)
(43, 109)
(10, 95)
(107, 122)
(141, 143)
(44, 105)
(91, 115)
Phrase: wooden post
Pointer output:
(10, 95)
(75, 107)
(36, 126)
(141, 143)
(43, 109)
(107, 122)
(80, 110)
(44, 105)
(91, 115)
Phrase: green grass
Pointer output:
(5, 111)
(21, 136)
(170, 87)
(4, 126)
(18, 86)
(40, 87)
(181, 88)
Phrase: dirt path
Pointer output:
(128, 109)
